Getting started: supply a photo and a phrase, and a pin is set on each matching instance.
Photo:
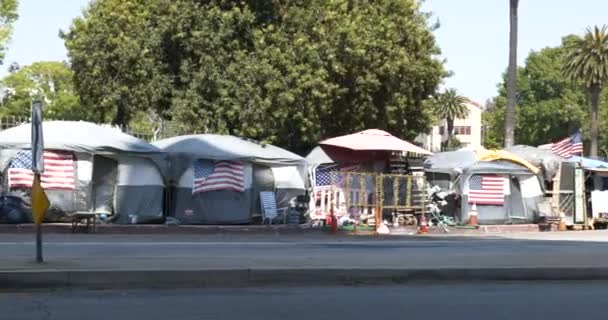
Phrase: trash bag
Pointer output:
(14, 210)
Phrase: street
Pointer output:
(189, 252)
(535, 300)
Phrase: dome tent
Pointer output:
(264, 168)
(458, 171)
(114, 173)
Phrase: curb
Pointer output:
(103, 279)
(164, 229)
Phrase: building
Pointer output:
(468, 131)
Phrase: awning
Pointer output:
(374, 140)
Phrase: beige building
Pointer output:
(468, 131)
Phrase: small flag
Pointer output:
(570, 146)
(487, 189)
(212, 175)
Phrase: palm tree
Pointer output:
(587, 63)
(449, 106)
(511, 76)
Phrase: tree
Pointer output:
(49, 81)
(512, 75)
(450, 106)
(8, 16)
(587, 63)
(285, 72)
(549, 107)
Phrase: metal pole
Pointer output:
(39, 243)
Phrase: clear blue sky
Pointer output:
(473, 36)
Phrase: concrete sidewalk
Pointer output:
(190, 260)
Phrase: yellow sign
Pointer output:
(40, 203)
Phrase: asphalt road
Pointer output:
(191, 252)
(555, 301)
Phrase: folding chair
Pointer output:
(268, 202)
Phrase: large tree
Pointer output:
(549, 108)
(587, 63)
(511, 75)
(286, 72)
(8, 15)
(50, 82)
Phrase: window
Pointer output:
(462, 130)
(442, 130)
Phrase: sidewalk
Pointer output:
(245, 260)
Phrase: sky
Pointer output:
(473, 37)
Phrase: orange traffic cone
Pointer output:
(423, 227)
(473, 216)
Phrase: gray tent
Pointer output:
(266, 168)
(114, 173)
(455, 170)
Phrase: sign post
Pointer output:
(40, 202)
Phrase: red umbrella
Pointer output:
(373, 140)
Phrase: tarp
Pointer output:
(455, 162)
(588, 163)
(186, 149)
(374, 139)
(77, 136)
(540, 158)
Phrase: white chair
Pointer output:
(268, 201)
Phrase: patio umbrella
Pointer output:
(373, 140)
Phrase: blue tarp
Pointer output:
(588, 163)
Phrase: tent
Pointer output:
(255, 167)
(103, 169)
(464, 171)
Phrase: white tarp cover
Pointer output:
(77, 136)
(288, 177)
(540, 158)
(184, 150)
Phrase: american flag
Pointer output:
(218, 175)
(487, 189)
(58, 171)
(572, 145)
(323, 176)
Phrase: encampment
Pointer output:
(217, 179)
(87, 168)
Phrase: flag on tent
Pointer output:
(59, 172)
(570, 146)
(212, 175)
(487, 189)
(323, 176)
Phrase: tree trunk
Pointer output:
(594, 91)
(450, 123)
(511, 76)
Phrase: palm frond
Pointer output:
(451, 105)
(587, 57)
